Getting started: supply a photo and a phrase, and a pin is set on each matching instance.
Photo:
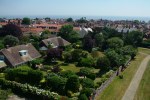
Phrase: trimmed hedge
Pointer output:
(29, 90)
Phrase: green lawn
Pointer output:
(143, 92)
(71, 67)
(117, 88)
(144, 50)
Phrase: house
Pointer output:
(17, 55)
(84, 31)
(54, 42)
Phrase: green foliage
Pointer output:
(26, 21)
(24, 75)
(28, 90)
(56, 83)
(82, 20)
(87, 91)
(10, 40)
(87, 72)
(68, 34)
(4, 94)
(73, 84)
(67, 74)
(134, 38)
(82, 97)
(86, 62)
(115, 59)
(87, 83)
(103, 63)
(99, 39)
(65, 31)
(129, 50)
(69, 20)
(115, 43)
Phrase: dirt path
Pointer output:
(130, 92)
(15, 97)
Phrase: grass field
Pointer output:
(117, 88)
(143, 92)
(144, 50)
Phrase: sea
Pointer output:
(113, 18)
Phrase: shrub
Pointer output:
(87, 62)
(29, 90)
(73, 83)
(87, 92)
(103, 63)
(82, 97)
(87, 83)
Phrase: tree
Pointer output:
(73, 37)
(134, 38)
(82, 97)
(73, 84)
(67, 73)
(129, 50)
(65, 31)
(86, 62)
(103, 63)
(85, 71)
(99, 39)
(115, 43)
(26, 21)
(87, 83)
(69, 20)
(11, 29)
(10, 40)
(56, 83)
(82, 20)
(115, 59)
(54, 53)
(88, 43)
(87, 91)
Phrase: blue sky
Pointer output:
(75, 7)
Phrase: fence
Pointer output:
(107, 82)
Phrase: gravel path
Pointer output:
(15, 97)
(130, 92)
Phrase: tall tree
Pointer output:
(134, 38)
(115, 43)
(88, 43)
(99, 39)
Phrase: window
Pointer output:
(1, 58)
(23, 52)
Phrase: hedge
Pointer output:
(29, 90)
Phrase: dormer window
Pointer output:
(1, 58)
(23, 52)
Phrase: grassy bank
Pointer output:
(117, 88)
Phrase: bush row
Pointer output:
(29, 90)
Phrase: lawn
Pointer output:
(71, 67)
(144, 50)
(143, 92)
(117, 88)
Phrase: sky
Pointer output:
(75, 8)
